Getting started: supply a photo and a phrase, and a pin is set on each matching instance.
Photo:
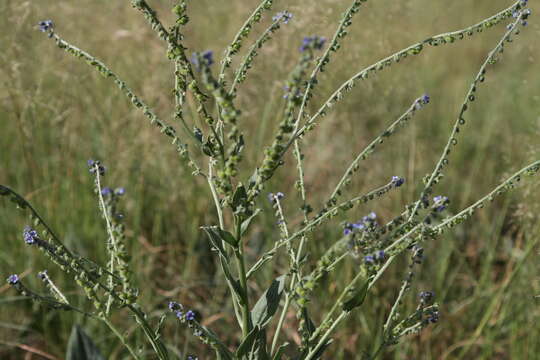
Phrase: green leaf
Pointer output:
(239, 197)
(247, 222)
(81, 347)
(357, 297)
(248, 342)
(268, 303)
(217, 235)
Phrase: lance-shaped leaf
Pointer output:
(268, 303)
(357, 298)
(248, 342)
(81, 347)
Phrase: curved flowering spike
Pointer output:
(414, 49)
(460, 121)
(246, 64)
(244, 31)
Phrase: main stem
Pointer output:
(239, 254)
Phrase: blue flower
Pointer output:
(440, 203)
(358, 225)
(315, 42)
(190, 315)
(174, 306)
(207, 58)
(179, 314)
(120, 191)
(285, 16)
(45, 25)
(426, 296)
(106, 191)
(397, 181)
(369, 259)
(380, 255)
(30, 235)
(42, 275)
(92, 164)
(13, 279)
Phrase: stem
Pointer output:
(121, 338)
(158, 347)
(326, 335)
(246, 316)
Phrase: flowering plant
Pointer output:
(214, 150)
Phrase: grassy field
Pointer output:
(56, 112)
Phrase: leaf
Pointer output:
(248, 342)
(239, 197)
(310, 327)
(247, 222)
(268, 303)
(217, 235)
(357, 298)
(81, 347)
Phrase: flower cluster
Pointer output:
(284, 16)
(397, 181)
(440, 203)
(46, 26)
(13, 279)
(96, 165)
(312, 42)
(30, 235)
(379, 257)
(275, 197)
(426, 297)
(205, 58)
(106, 191)
(422, 101)
(367, 222)
(178, 310)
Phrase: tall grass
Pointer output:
(55, 114)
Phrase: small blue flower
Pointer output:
(13, 279)
(190, 315)
(179, 314)
(30, 235)
(312, 41)
(433, 317)
(174, 306)
(397, 181)
(91, 163)
(358, 225)
(380, 255)
(426, 296)
(285, 16)
(45, 25)
(280, 195)
(440, 202)
(120, 191)
(208, 56)
(106, 191)
(369, 259)
(192, 357)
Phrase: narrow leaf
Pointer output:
(268, 303)
(357, 298)
(81, 347)
(248, 342)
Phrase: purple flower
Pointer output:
(179, 314)
(106, 191)
(380, 255)
(433, 317)
(120, 191)
(397, 181)
(207, 58)
(315, 42)
(369, 259)
(285, 16)
(280, 195)
(190, 315)
(440, 203)
(174, 306)
(30, 235)
(92, 164)
(45, 25)
(426, 296)
(13, 279)
(358, 225)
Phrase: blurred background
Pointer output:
(56, 112)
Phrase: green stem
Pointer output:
(121, 338)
